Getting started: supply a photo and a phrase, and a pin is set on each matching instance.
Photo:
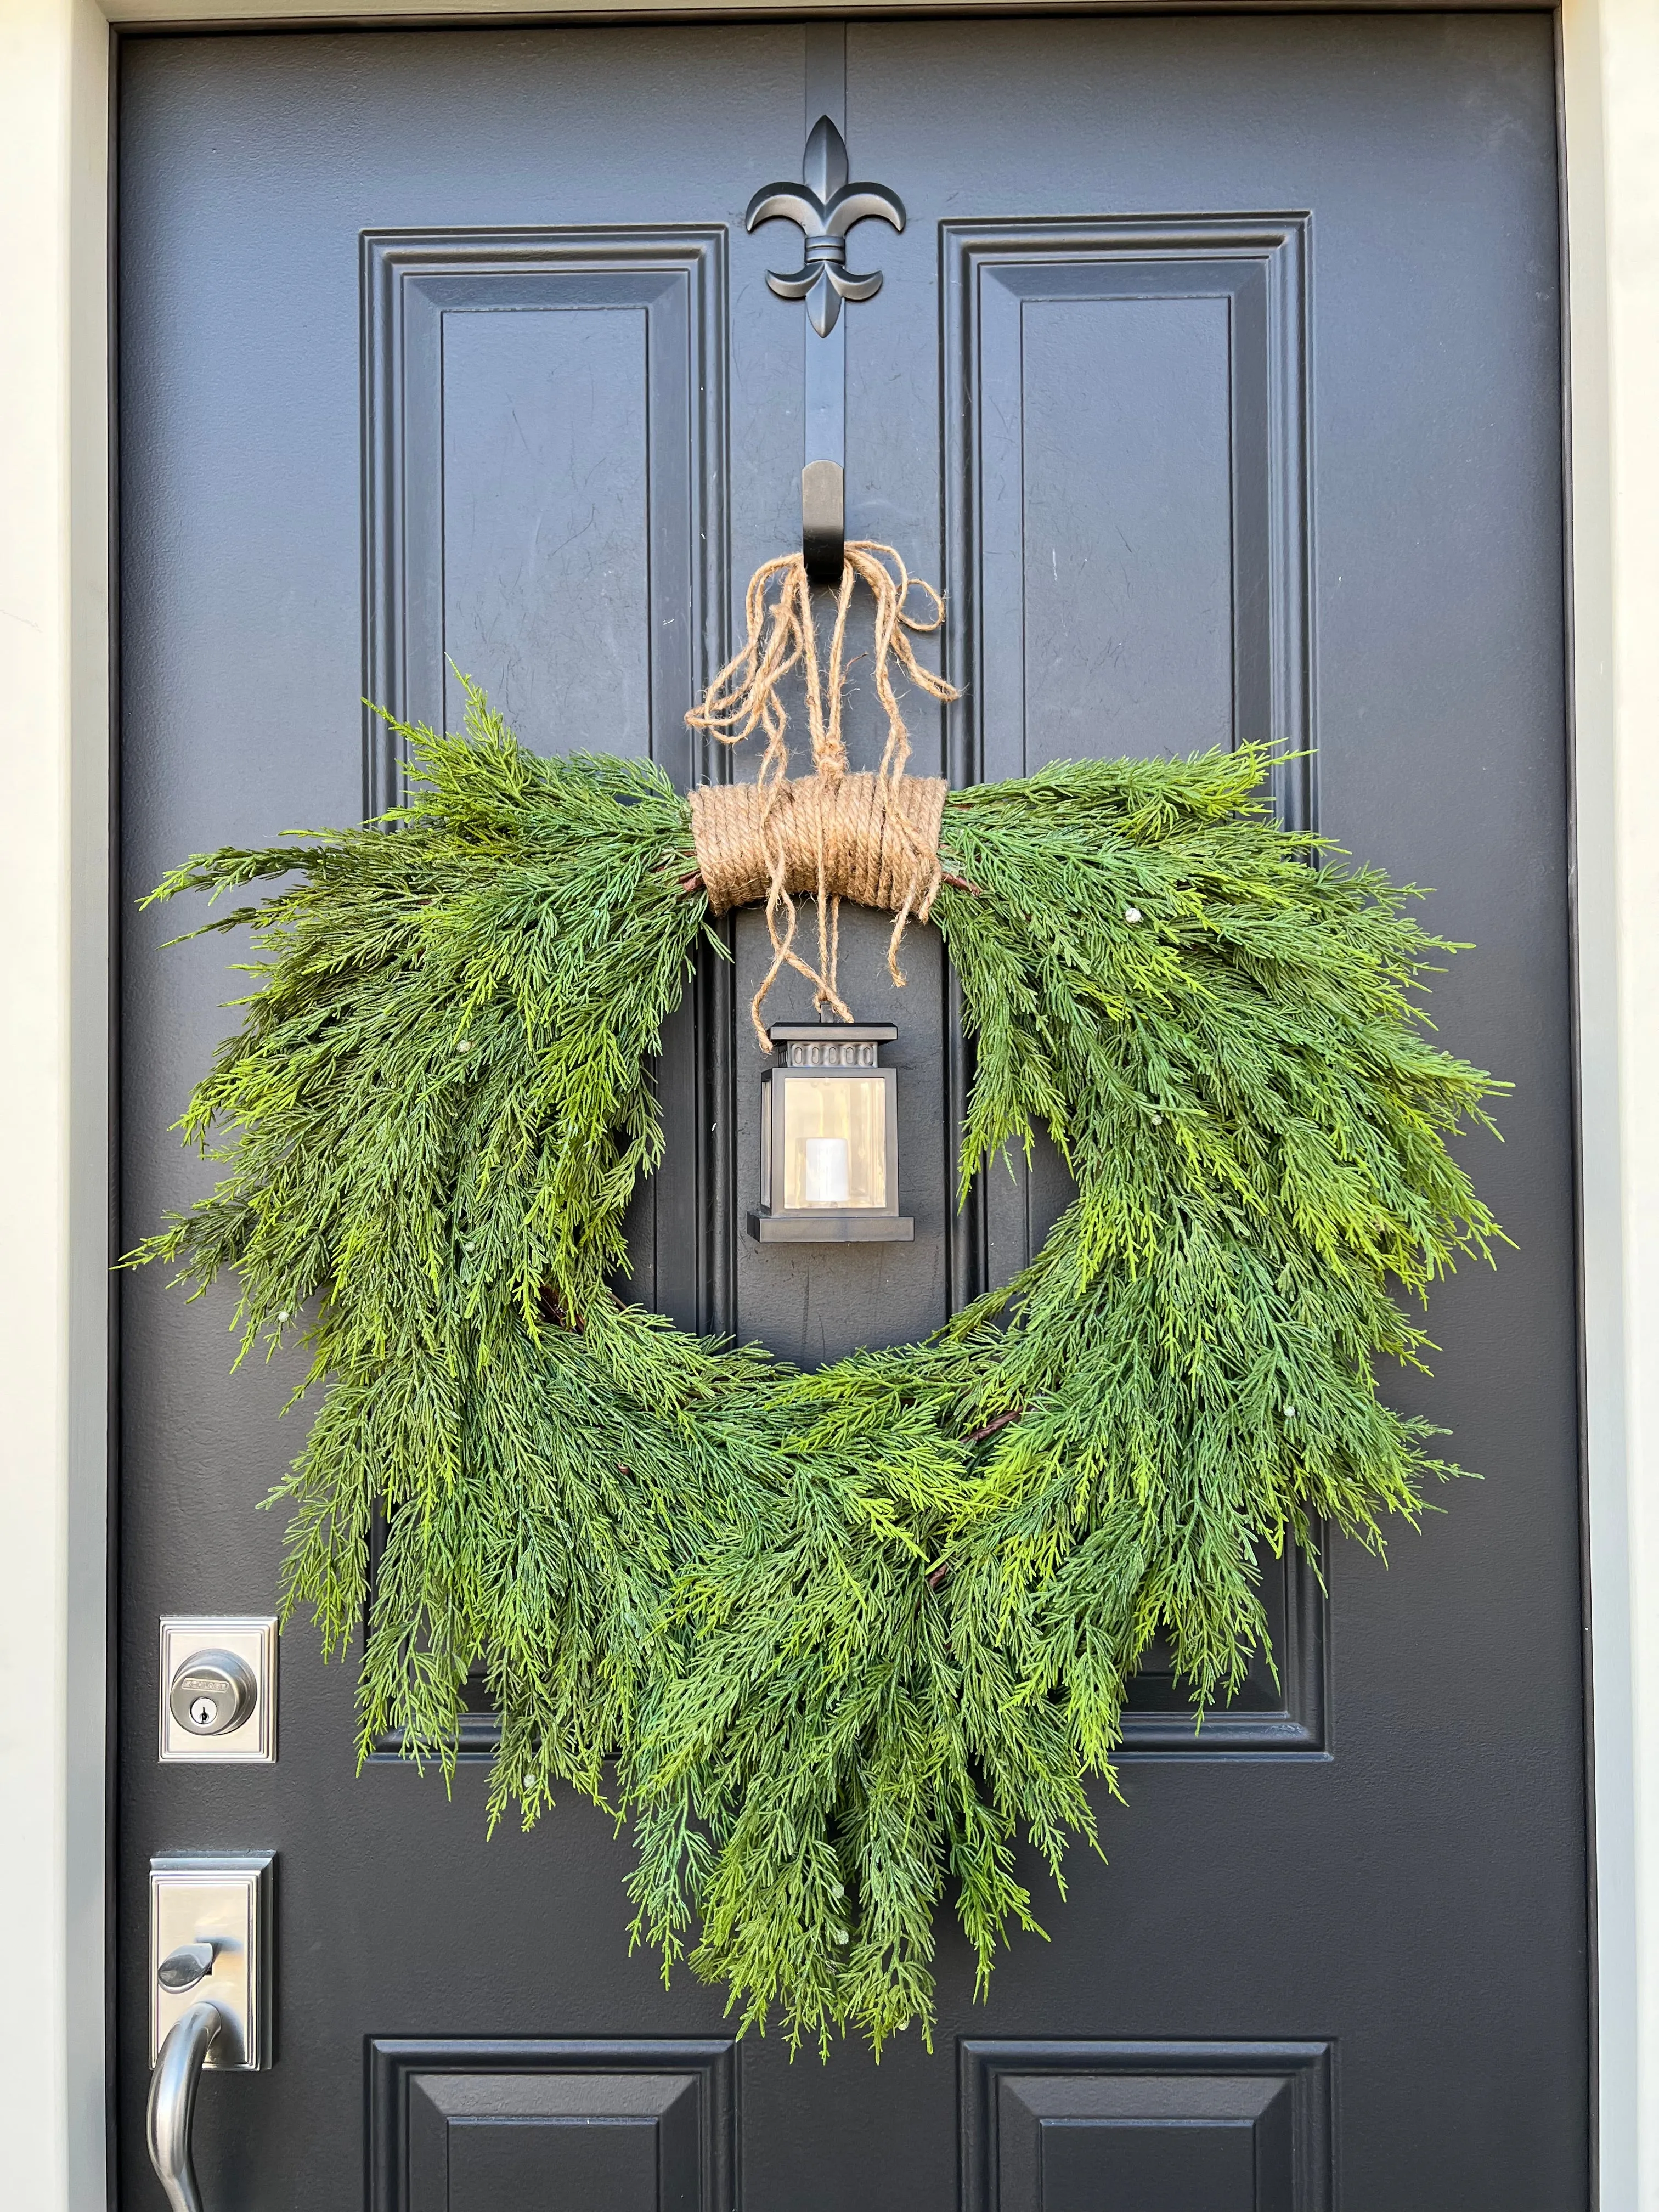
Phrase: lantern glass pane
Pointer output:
(835, 1141)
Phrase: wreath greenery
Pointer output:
(848, 1636)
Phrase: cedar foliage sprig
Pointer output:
(849, 1636)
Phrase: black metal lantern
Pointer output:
(829, 1138)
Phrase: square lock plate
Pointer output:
(249, 1639)
(226, 1902)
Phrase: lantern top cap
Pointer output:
(831, 1033)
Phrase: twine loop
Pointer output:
(873, 838)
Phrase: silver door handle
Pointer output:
(210, 1995)
(173, 2103)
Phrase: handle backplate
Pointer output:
(226, 1903)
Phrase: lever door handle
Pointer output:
(210, 1997)
(173, 2103)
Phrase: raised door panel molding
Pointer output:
(544, 483)
(1146, 2127)
(1278, 1709)
(1129, 553)
(1128, 535)
(544, 508)
(1126, 489)
(473, 2126)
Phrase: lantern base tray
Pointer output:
(849, 1228)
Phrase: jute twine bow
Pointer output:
(873, 838)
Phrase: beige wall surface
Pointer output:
(54, 890)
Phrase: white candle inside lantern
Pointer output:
(826, 1177)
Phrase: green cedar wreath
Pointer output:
(849, 1636)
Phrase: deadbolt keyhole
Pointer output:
(212, 1692)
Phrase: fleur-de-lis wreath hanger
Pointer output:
(826, 207)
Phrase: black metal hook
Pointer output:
(826, 206)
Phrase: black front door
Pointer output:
(1215, 377)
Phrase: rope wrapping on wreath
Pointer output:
(855, 839)
(873, 838)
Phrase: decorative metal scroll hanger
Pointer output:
(826, 206)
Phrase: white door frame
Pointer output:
(55, 59)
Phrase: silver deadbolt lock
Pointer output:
(218, 1686)
(212, 1692)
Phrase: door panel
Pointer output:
(1216, 374)
(1135, 395)
(545, 414)
(1125, 2127)
(545, 438)
(647, 2126)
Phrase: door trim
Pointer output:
(56, 695)
(245, 14)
